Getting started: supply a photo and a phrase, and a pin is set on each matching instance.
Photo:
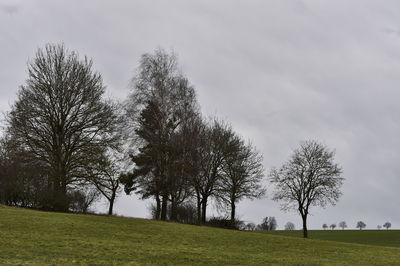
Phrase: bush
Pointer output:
(80, 201)
(223, 222)
(186, 213)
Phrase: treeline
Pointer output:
(360, 225)
(267, 224)
(65, 144)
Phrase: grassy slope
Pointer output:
(389, 238)
(55, 238)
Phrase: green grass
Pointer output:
(388, 238)
(35, 237)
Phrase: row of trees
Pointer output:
(342, 225)
(182, 157)
(65, 144)
(360, 225)
(267, 224)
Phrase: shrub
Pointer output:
(223, 222)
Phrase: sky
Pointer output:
(279, 71)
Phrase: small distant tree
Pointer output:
(289, 226)
(387, 225)
(343, 225)
(250, 227)
(333, 226)
(272, 224)
(379, 227)
(309, 178)
(325, 226)
(361, 225)
(269, 224)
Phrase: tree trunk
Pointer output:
(204, 210)
(198, 208)
(158, 207)
(305, 232)
(173, 215)
(64, 206)
(164, 207)
(111, 206)
(60, 201)
(233, 210)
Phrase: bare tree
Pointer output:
(82, 199)
(105, 172)
(250, 227)
(289, 226)
(184, 162)
(361, 225)
(242, 174)
(332, 226)
(212, 146)
(343, 225)
(387, 225)
(61, 118)
(325, 226)
(379, 227)
(105, 176)
(309, 178)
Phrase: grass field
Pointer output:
(388, 238)
(35, 237)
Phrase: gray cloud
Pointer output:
(280, 71)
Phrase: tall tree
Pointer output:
(242, 174)
(148, 177)
(159, 107)
(61, 118)
(212, 146)
(309, 178)
(184, 162)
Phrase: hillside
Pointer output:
(36, 237)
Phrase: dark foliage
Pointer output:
(226, 223)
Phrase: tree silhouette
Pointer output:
(361, 225)
(309, 178)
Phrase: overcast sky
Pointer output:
(279, 71)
